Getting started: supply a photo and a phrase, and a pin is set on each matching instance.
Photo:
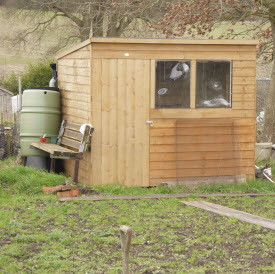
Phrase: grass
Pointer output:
(22, 180)
(39, 234)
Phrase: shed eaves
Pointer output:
(174, 41)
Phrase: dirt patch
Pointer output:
(83, 190)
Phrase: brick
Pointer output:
(49, 190)
(69, 193)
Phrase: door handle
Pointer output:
(149, 123)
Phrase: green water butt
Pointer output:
(40, 116)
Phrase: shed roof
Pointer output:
(3, 90)
(174, 41)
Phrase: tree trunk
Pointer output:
(269, 122)
(116, 26)
(85, 29)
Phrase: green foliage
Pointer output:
(10, 82)
(36, 74)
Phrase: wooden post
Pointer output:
(2, 111)
(52, 169)
(20, 93)
(8, 138)
(126, 238)
(76, 169)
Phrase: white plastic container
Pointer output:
(263, 151)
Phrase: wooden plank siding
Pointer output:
(120, 108)
(75, 85)
(189, 148)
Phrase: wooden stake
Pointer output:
(126, 238)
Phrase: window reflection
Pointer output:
(213, 84)
(172, 84)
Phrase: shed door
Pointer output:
(121, 96)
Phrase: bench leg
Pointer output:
(53, 164)
(76, 168)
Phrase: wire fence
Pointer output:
(9, 128)
(262, 86)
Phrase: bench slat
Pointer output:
(73, 134)
(54, 149)
(72, 126)
(70, 142)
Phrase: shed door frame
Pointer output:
(120, 108)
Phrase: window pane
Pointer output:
(213, 84)
(172, 84)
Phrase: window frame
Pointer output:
(230, 85)
(193, 78)
(154, 82)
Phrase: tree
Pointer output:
(81, 19)
(197, 18)
(35, 74)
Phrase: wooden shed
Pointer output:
(164, 110)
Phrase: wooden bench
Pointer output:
(71, 144)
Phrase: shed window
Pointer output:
(172, 84)
(213, 84)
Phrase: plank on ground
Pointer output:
(160, 196)
(230, 212)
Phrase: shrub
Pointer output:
(35, 74)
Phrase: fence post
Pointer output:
(126, 238)
(8, 142)
(20, 93)
(2, 111)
